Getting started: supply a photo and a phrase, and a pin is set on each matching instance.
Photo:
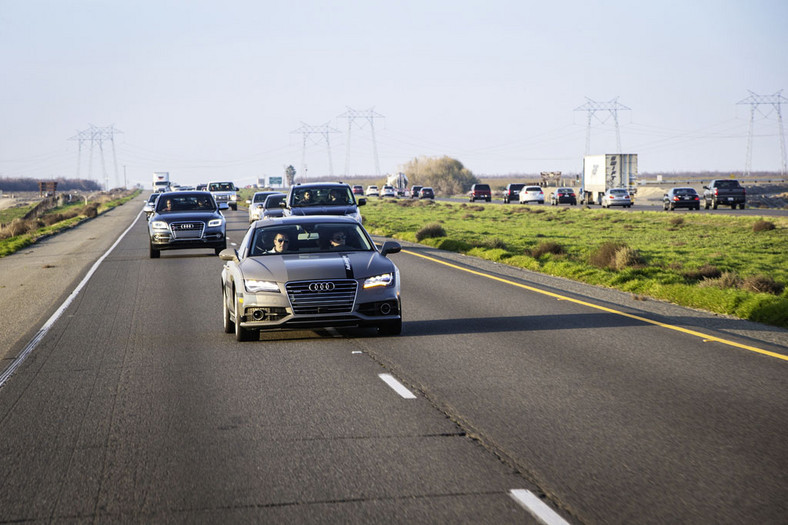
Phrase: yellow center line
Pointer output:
(706, 338)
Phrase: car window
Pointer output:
(533, 188)
(618, 192)
(310, 238)
(322, 196)
(221, 186)
(186, 202)
(273, 201)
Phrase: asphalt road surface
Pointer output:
(135, 406)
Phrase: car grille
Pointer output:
(187, 230)
(322, 297)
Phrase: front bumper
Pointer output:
(295, 310)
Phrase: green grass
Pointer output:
(13, 244)
(706, 261)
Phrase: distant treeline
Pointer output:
(10, 185)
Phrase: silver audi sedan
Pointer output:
(309, 272)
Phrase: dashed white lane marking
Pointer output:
(397, 386)
(537, 507)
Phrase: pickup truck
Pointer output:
(724, 191)
(481, 192)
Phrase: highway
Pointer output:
(505, 387)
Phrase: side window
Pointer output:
(243, 250)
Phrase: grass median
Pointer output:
(720, 263)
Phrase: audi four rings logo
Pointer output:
(321, 287)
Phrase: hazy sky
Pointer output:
(222, 89)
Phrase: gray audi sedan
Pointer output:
(309, 272)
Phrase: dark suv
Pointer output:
(323, 198)
(512, 193)
(480, 192)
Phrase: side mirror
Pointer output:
(361, 202)
(390, 247)
(228, 254)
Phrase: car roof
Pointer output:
(320, 185)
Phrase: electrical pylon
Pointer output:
(308, 131)
(613, 107)
(369, 115)
(96, 135)
(755, 100)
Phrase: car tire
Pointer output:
(714, 204)
(705, 205)
(741, 206)
(391, 327)
(154, 253)
(241, 333)
(227, 323)
(219, 249)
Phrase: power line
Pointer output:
(369, 115)
(323, 131)
(96, 135)
(755, 100)
(592, 107)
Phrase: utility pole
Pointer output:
(612, 107)
(308, 133)
(369, 116)
(95, 135)
(755, 100)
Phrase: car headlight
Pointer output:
(159, 225)
(386, 279)
(255, 285)
(214, 222)
(233, 197)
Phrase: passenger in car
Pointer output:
(337, 198)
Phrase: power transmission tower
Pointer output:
(369, 115)
(613, 107)
(755, 100)
(95, 135)
(308, 133)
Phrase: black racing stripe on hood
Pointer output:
(348, 266)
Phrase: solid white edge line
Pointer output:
(55, 316)
(397, 386)
(537, 507)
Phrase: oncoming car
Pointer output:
(186, 219)
(256, 204)
(309, 272)
(323, 198)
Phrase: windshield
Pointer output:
(324, 196)
(273, 201)
(221, 186)
(309, 238)
(185, 202)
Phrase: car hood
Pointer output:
(323, 210)
(315, 266)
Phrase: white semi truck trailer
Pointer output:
(602, 172)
